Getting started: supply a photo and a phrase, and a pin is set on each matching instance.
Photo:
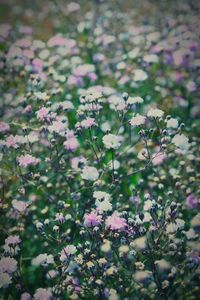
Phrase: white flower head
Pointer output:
(100, 195)
(138, 120)
(90, 173)
(103, 206)
(181, 141)
(172, 123)
(155, 113)
(112, 141)
(134, 100)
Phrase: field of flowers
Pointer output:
(99, 140)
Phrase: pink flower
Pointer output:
(71, 144)
(43, 294)
(88, 122)
(11, 142)
(12, 240)
(42, 113)
(114, 222)
(67, 251)
(8, 265)
(20, 206)
(158, 158)
(192, 201)
(27, 160)
(4, 127)
(92, 219)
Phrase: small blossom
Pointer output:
(4, 127)
(92, 219)
(43, 294)
(112, 141)
(67, 251)
(90, 173)
(181, 141)
(155, 113)
(8, 265)
(115, 222)
(192, 201)
(27, 160)
(138, 120)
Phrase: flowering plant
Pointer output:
(99, 178)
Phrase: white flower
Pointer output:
(43, 259)
(173, 227)
(43, 294)
(116, 164)
(8, 264)
(155, 113)
(112, 141)
(104, 205)
(99, 195)
(148, 205)
(137, 120)
(162, 264)
(181, 141)
(142, 155)
(5, 280)
(105, 127)
(139, 75)
(134, 100)
(90, 173)
(172, 123)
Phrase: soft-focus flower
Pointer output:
(134, 100)
(71, 144)
(5, 280)
(42, 113)
(8, 265)
(103, 206)
(4, 127)
(138, 120)
(43, 260)
(90, 173)
(67, 251)
(92, 219)
(111, 141)
(181, 141)
(27, 160)
(25, 296)
(43, 294)
(115, 222)
(155, 113)
(172, 123)
(88, 122)
(192, 201)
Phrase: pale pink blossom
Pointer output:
(115, 222)
(42, 114)
(43, 294)
(12, 240)
(88, 122)
(4, 127)
(27, 160)
(92, 219)
(71, 144)
(8, 265)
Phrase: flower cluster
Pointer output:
(99, 151)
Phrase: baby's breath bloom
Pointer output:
(112, 141)
(155, 113)
(181, 141)
(138, 120)
(90, 173)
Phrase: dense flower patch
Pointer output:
(100, 152)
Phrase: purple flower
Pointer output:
(192, 201)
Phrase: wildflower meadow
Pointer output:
(99, 150)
